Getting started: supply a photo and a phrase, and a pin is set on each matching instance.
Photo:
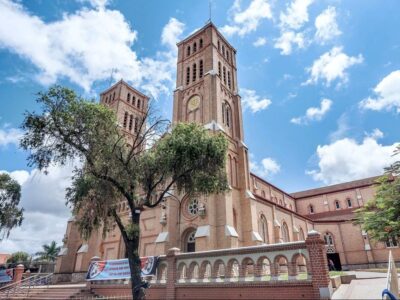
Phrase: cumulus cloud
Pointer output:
(288, 40)
(387, 94)
(296, 14)
(45, 215)
(84, 46)
(313, 113)
(261, 41)
(266, 168)
(10, 136)
(331, 66)
(254, 102)
(346, 159)
(247, 20)
(326, 25)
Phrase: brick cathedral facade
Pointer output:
(253, 211)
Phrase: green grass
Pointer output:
(336, 273)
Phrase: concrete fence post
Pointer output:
(318, 265)
(171, 273)
(19, 271)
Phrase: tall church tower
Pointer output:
(207, 93)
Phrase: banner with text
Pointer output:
(119, 268)
(6, 275)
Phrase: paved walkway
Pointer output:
(369, 285)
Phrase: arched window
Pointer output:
(201, 43)
(392, 242)
(125, 119)
(194, 47)
(113, 95)
(136, 124)
(188, 51)
(130, 122)
(228, 115)
(311, 209)
(223, 50)
(229, 79)
(285, 233)
(201, 69)
(328, 239)
(224, 73)
(106, 99)
(264, 229)
(223, 113)
(187, 75)
(194, 71)
(138, 103)
(128, 98)
(349, 204)
(263, 194)
(219, 46)
(337, 204)
(190, 241)
(133, 100)
(227, 55)
(219, 69)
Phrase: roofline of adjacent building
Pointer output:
(335, 188)
(128, 85)
(272, 185)
(208, 24)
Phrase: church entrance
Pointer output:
(335, 258)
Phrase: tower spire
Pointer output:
(209, 11)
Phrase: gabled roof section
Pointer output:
(270, 184)
(336, 187)
(127, 85)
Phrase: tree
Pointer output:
(19, 257)
(117, 167)
(49, 252)
(380, 217)
(10, 215)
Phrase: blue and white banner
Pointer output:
(6, 275)
(119, 268)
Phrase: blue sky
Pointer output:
(319, 80)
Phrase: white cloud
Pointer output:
(296, 14)
(83, 46)
(10, 136)
(96, 3)
(254, 102)
(171, 33)
(248, 20)
(387, 94)
(266, 168)
(314, 113)
(346, 159)
(45, 215)
(326, 25)
(288, 40)
(342, 128)
(261, 41)
(332, 66)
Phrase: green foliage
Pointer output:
(49, 252)
(380, 217)
(19, 257)
(10, 215)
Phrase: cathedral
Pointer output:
(253, 211)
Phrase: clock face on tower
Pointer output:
(194, 103)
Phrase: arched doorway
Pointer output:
(333, 257)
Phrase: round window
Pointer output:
(193, 207)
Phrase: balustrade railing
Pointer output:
(24, 287)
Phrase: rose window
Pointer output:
(193, 207)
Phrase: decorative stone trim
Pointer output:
(202, 231)
(162, 237)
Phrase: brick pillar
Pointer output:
(171, 273)
(318, 265)
(19, 270)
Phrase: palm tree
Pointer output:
(49, 252)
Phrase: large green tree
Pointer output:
(10, 213)
(116, 167)
(20, 257)
(380, 216)
(49, 252)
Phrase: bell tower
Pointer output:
(207, 93)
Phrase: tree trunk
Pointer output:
(134, 261)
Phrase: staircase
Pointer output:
(39, 287)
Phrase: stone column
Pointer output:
(171, 273)
(318, 265)
(19, 271)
